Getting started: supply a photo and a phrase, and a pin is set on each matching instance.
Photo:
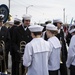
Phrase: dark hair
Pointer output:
(37, 33)
(23, 20)
(55, 24)
(16, 22)
(47, 22)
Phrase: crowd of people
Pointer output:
(44, 52)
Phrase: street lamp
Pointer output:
(27, 8)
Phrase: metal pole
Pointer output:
(26, 9)
(9, 5)
(64, 15)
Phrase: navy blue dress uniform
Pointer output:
(21, 33)
(68, 38)
(4, 36)
(16, 23)
(60, 35)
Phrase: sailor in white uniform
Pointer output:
(36, 53)
(55, 47)
(71, 53)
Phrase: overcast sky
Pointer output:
(42, 10)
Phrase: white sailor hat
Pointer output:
(51, 27)
(36, 28)
(72, 30)
(17, 19)
(57, 21)
(26, 17)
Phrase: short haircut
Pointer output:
(37, 33)
(54, 32)
(56, 23)
(16, 22)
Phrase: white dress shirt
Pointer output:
(36, 57)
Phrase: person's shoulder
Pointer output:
(13, 26)
(28, 45)
(56, 38)
(4, 27)
(17, 28)
(45, 42)
(73, 37)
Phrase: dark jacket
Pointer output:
(68, 38)
(60, 36)
(11, 30)
(20, 35)
(5, 36)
